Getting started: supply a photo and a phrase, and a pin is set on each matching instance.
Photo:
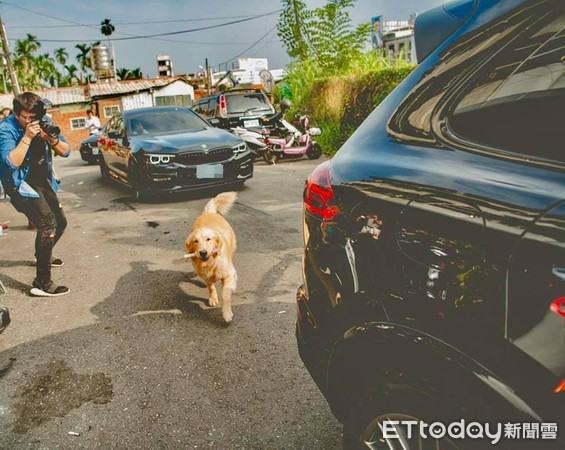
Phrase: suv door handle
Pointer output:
(559, 272)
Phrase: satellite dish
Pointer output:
(267, 80)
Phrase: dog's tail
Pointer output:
(221, 203)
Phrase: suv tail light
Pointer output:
(223, 106)
(319, 196)
(558, 306)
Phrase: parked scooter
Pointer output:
(254, 138)
(274, 125)
(297, 141)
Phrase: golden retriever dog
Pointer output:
(210, 246)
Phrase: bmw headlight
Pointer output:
(159, 159)
(239, 148)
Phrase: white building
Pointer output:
(398, 39)
(164, 66)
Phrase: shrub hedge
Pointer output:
(338, 105)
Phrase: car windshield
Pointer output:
(163, 121)
(247, 103)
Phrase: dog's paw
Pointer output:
(213, 302)
(227, 315)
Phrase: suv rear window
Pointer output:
(247, 103)
(500, 90)
(515, 101)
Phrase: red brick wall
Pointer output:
(98, 108)
(62, 116)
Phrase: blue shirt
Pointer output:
(11, 133)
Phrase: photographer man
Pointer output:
(26, 169)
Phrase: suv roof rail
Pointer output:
(243, 89)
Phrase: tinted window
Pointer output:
(163, 121)
(516, 100)
(499, 88)
(247, 103)
(201, 106)
(213, 103)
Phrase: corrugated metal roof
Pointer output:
(80, 94)
(63, 96)
(128, 86)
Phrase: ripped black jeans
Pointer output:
(46, 213)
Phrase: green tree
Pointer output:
(106, 28)
(333, 42)
(136, 73)
(129, 74)
(293, 28)
(83, 58)
(122, 73)
(45, 69)
(61, 55)
(24, 59)
(71, 73)
(324, 35)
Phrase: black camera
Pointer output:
(40, 111)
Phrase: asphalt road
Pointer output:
(132, 357)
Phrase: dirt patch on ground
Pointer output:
(55, 389)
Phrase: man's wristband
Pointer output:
(26, 142)
(56, 143)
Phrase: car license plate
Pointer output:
(209, 171)
(95, 151)
(251, 123)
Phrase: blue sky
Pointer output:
(64, 23)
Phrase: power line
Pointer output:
(147, 22)
(250, 47)
(151, 36)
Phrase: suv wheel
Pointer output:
(365, 427)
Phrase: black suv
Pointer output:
(236, 107)
(434, 264)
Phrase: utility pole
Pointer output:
(207, 76)
(6, 49)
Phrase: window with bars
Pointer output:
(78, 123)
(109, 111)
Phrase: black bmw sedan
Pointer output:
(433, 292)
(171, 149)
(89, 151)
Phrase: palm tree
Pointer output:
(46, 69)
(83, 57)
(136, 74)
(122, 73)
(129, 74)
(106, 28)
(61, 55)
(72, 72)
(24, 55)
